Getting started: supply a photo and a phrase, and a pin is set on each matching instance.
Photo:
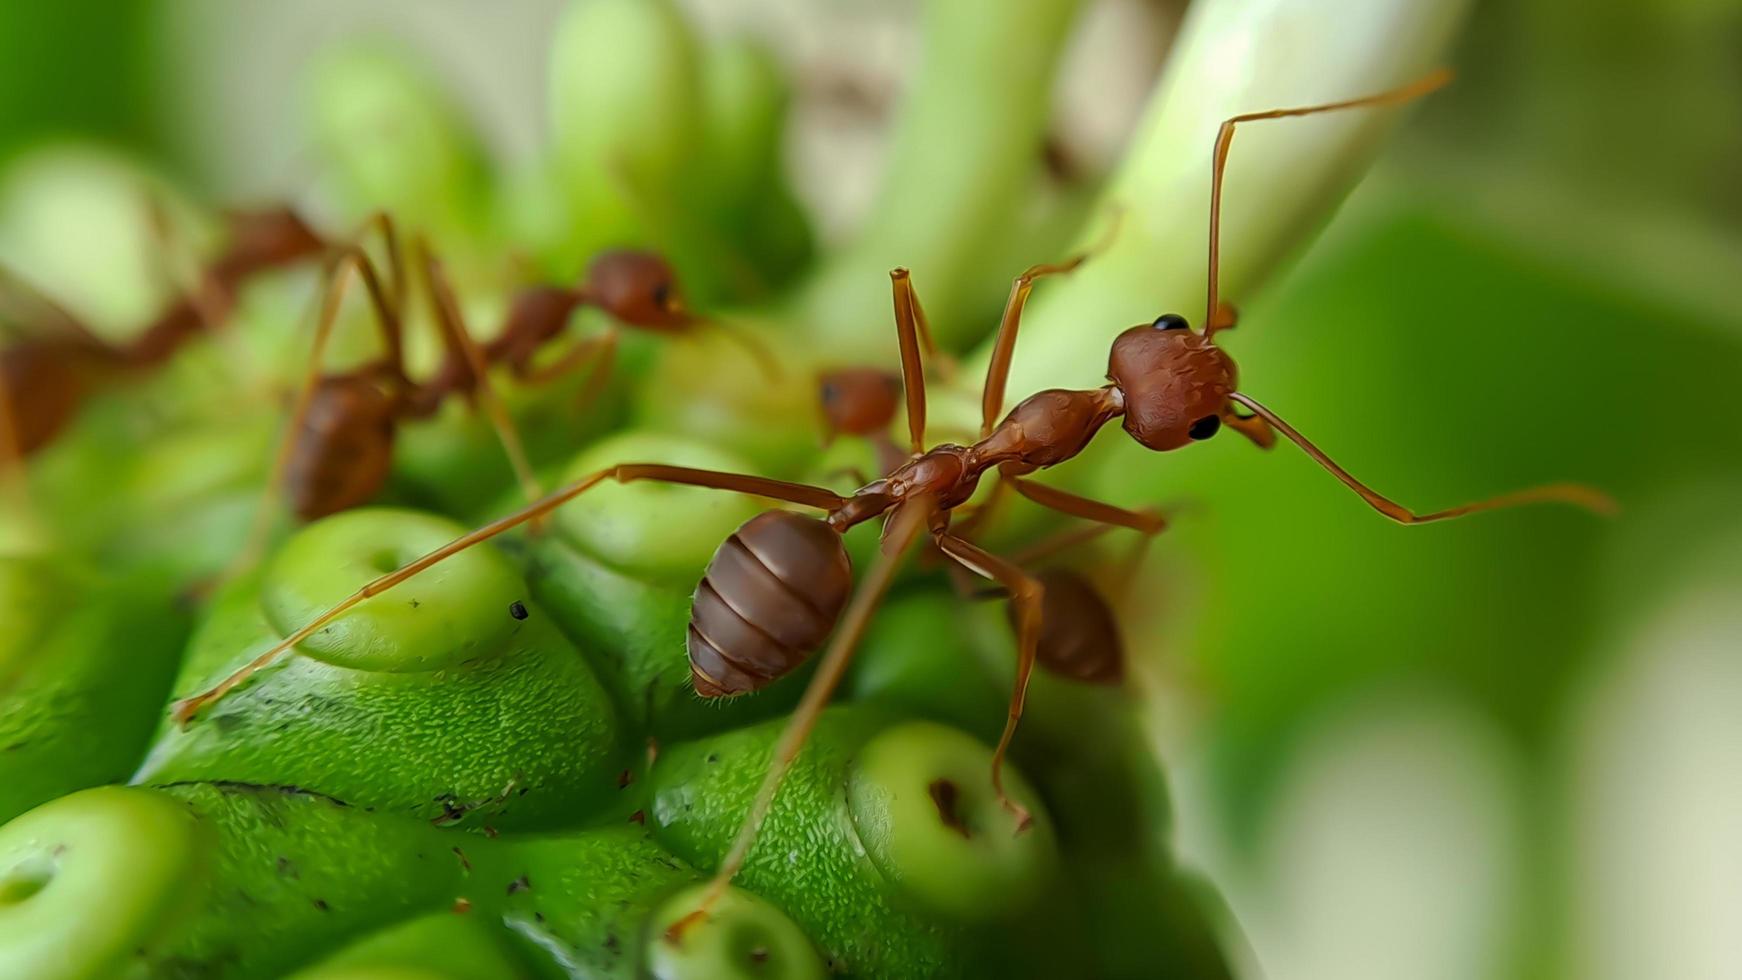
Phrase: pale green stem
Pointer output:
(1284, 178)
(964, 152)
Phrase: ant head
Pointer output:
(639, 288)
(1175, 382)
(859, 401)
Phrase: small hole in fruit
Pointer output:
(947, 797)
(384, 561)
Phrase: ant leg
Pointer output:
(900, 533)
(459, 341)
(1028, 595)
(184, 710)
(1577, 494)
(580, 352)
(907, 330)
(599, 375)
(943, 362)
(208, 297)
(1219, 164)
(1148, 522)
(1004, 348)
(381, 223)
(338, 278)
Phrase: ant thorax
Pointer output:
(1049, 427)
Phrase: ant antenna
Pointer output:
(1435, 79)
(1576, 494)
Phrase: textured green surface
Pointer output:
(520, 733)
(84, 668)
(445, 945)
(809, 857)
(634, 631)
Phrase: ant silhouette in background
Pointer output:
(782, 584)
(45, 380)
(338, 449)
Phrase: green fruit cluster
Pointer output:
(500, 768)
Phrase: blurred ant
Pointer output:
(633, 288)
(45, 380)
(338, 450)
(780, 585)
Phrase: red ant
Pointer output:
(1079, 636)
(340, 447)
(779, 586)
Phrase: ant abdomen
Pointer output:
(1079, 636)
(341, 457)
(769, 599)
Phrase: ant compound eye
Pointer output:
(1170, 321)
(830, 391)
(662, 295)
(1205, 427)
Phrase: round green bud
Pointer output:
(922, 800)
(393, 140)
(85, 666)
(436, 946)
(27, 592)
(449, 614)
(658, 531)
(75, 222)
(742, 938)
(89, 878)
(624, 114)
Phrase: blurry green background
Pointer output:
(1509, 746)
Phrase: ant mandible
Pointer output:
(789, 575)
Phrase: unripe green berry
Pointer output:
(656, 531)
(742, 938)
(449, 614)
(922, 802)
(87, 879)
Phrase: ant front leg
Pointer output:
(1105, 517)
(185, 710)
(184, 273)
(386, 317)
(907, 331)
(1004, 348)
(1028, 597)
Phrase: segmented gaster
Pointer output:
(769, 599)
